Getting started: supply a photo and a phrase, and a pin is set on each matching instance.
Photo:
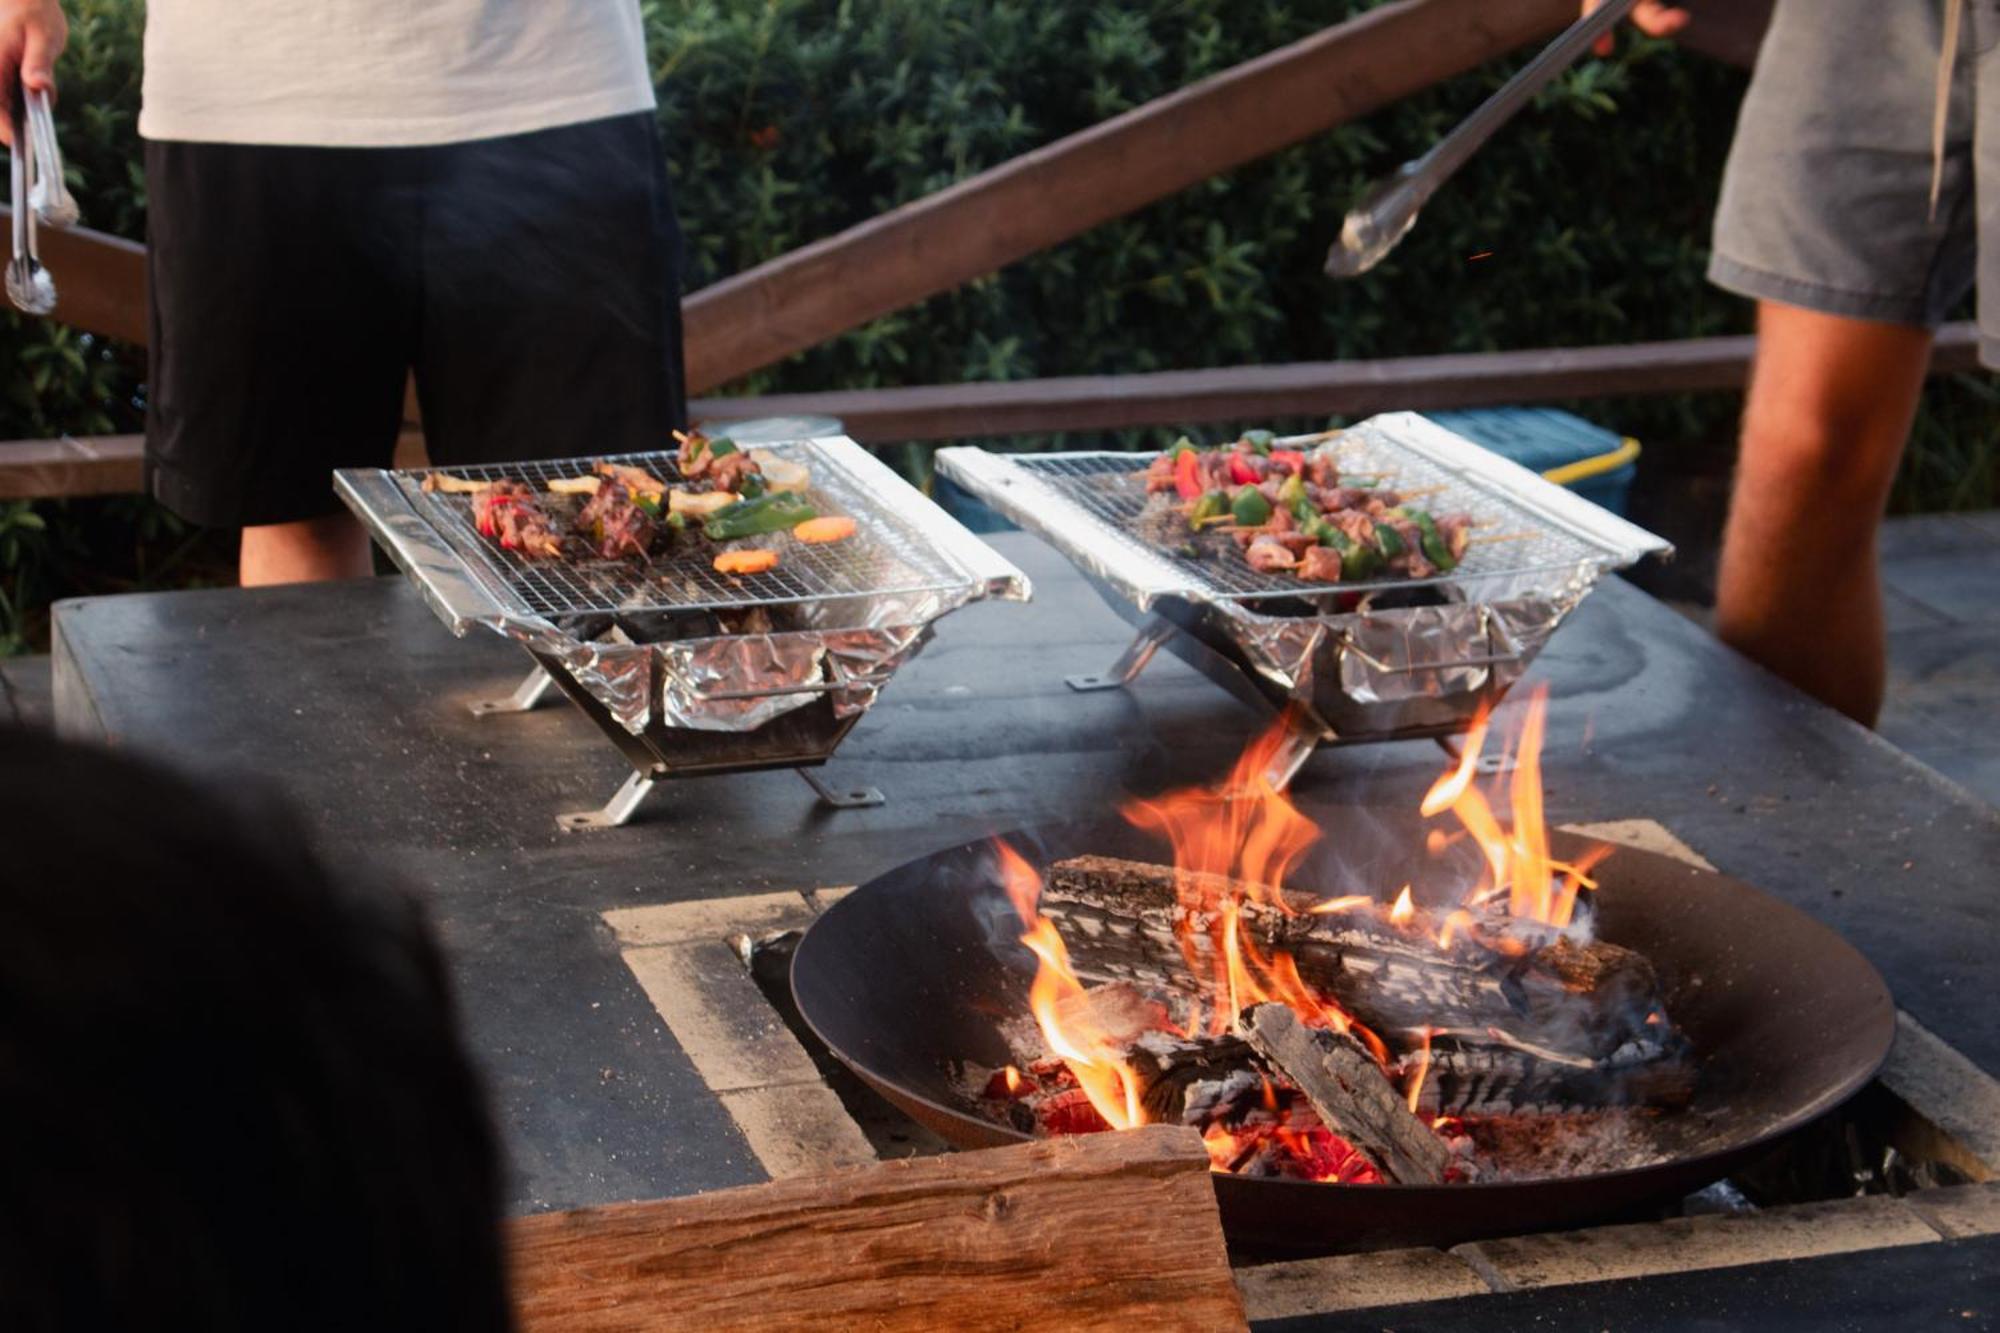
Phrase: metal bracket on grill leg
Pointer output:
(1488, 763)
(616, 810)
(1297, 746)
(525, 696)
(1131, 662)
(857, 798)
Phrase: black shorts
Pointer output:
(532, 283)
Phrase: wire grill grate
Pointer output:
(887, 555)
(1509, 539)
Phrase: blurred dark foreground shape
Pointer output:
(232, 1089)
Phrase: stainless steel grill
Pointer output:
(1384, 659)
(1508, 539)
(888, 555)
(660, 653)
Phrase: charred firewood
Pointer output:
(1595, 1004)
(1351, 1094)
(1492, 1079)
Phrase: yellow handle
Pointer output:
(1584, 468)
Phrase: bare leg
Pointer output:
(1830, 405)
(334, 547)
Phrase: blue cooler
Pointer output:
(1566, 449)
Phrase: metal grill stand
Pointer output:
(1391, 659)
(686, 670)
(625, 802)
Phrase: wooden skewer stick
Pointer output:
(1482, 539)
(1421, 492)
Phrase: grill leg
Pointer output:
(1291, 755)
(1488, 763)
(525, 696)
(858, 798)
(616, 810)
(1130, 663)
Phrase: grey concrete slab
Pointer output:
(1963, 587)
(351, 698)
(26, 684)
(1919, 535)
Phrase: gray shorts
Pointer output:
(1826, 200)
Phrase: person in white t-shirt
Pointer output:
(345, 193)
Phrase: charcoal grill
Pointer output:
(910, 978)
(1388, 659)
(686, 670)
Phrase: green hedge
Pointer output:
(787, 120)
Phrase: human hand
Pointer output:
(32, 34)
(1655, 18)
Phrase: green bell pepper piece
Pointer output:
(1182, 446)
(1260, 440)
(1250, 508)
(774, 512)
(1435, 549)
(1213, 505)
(721, 448)
(1389, 540)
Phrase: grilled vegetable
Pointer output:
(1260, 440)
(781, 474)
(1187, 475)
(1292, 494)
(745, 562)
(700, 504)
(1208, 508)
(1434, 546)
(767, 513)
(832, 528)
(1250, 508)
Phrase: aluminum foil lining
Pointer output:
(1364, 660)
(664, 644)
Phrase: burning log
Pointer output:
(1350, 1093)
(1589, 1015)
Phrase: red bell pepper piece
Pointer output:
(1240, 471)
(1187, 476)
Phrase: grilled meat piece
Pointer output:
(1267, 555)
(615, 524)
(1320, 564)
(727, 472)
(510, 512)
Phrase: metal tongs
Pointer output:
(1389, 209)
(39, 196)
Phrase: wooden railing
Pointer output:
(981, 224)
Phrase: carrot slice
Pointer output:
(746, 562)
(832, 528)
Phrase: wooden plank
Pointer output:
(100, 280)
(1105, 1231)
(105, 465)
(1254, 393)
(1042, 198)
(95, 465)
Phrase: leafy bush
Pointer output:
(787, 120)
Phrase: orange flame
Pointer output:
(1421, 1060)
(1403, 910)
(1062, 1009)
(1538, 887)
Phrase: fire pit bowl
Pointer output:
(910, 977)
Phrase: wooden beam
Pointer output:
(1253, 393)
(110, 464)
(981, 224)
(1111, 1231)
(99, 465)
(100, 280)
